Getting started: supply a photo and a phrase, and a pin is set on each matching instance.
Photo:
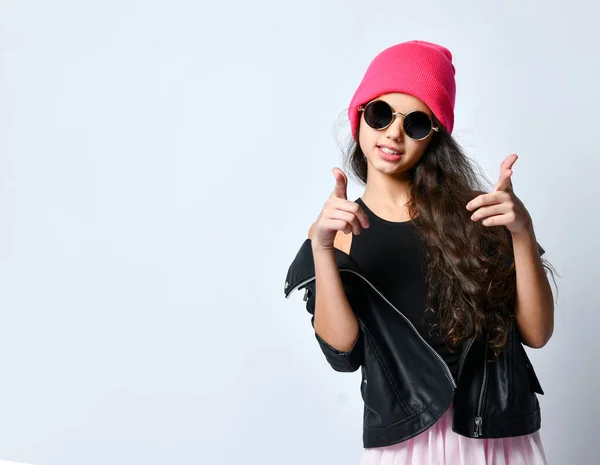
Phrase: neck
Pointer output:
(387, 196)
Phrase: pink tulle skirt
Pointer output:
(439, 445)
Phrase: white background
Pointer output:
(160, 165)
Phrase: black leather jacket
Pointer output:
(406, 385)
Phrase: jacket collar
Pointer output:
(302, 269)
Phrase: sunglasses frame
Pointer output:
(394, 113)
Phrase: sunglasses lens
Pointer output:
(378, 114)
(417, 125)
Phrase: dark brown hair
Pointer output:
(471, 274)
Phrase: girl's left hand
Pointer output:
(502, 207)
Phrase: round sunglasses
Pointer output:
(379, 115)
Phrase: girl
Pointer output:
(437, 287)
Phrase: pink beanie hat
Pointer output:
(421, 69)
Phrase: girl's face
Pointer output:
(393, 137)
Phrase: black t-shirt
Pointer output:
(392, 257)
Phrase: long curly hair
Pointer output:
(471, 274)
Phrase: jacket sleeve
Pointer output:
(541, 249)
(339, 360)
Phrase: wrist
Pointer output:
(320, 250)
(524, 238)
(525, 230)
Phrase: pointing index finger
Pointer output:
(504, 182)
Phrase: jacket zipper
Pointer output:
(478, 418)
(444, 364)
(298, 287)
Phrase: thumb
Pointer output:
(341, 184)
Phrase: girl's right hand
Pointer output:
(338, 214)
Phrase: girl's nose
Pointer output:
(395, 130)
